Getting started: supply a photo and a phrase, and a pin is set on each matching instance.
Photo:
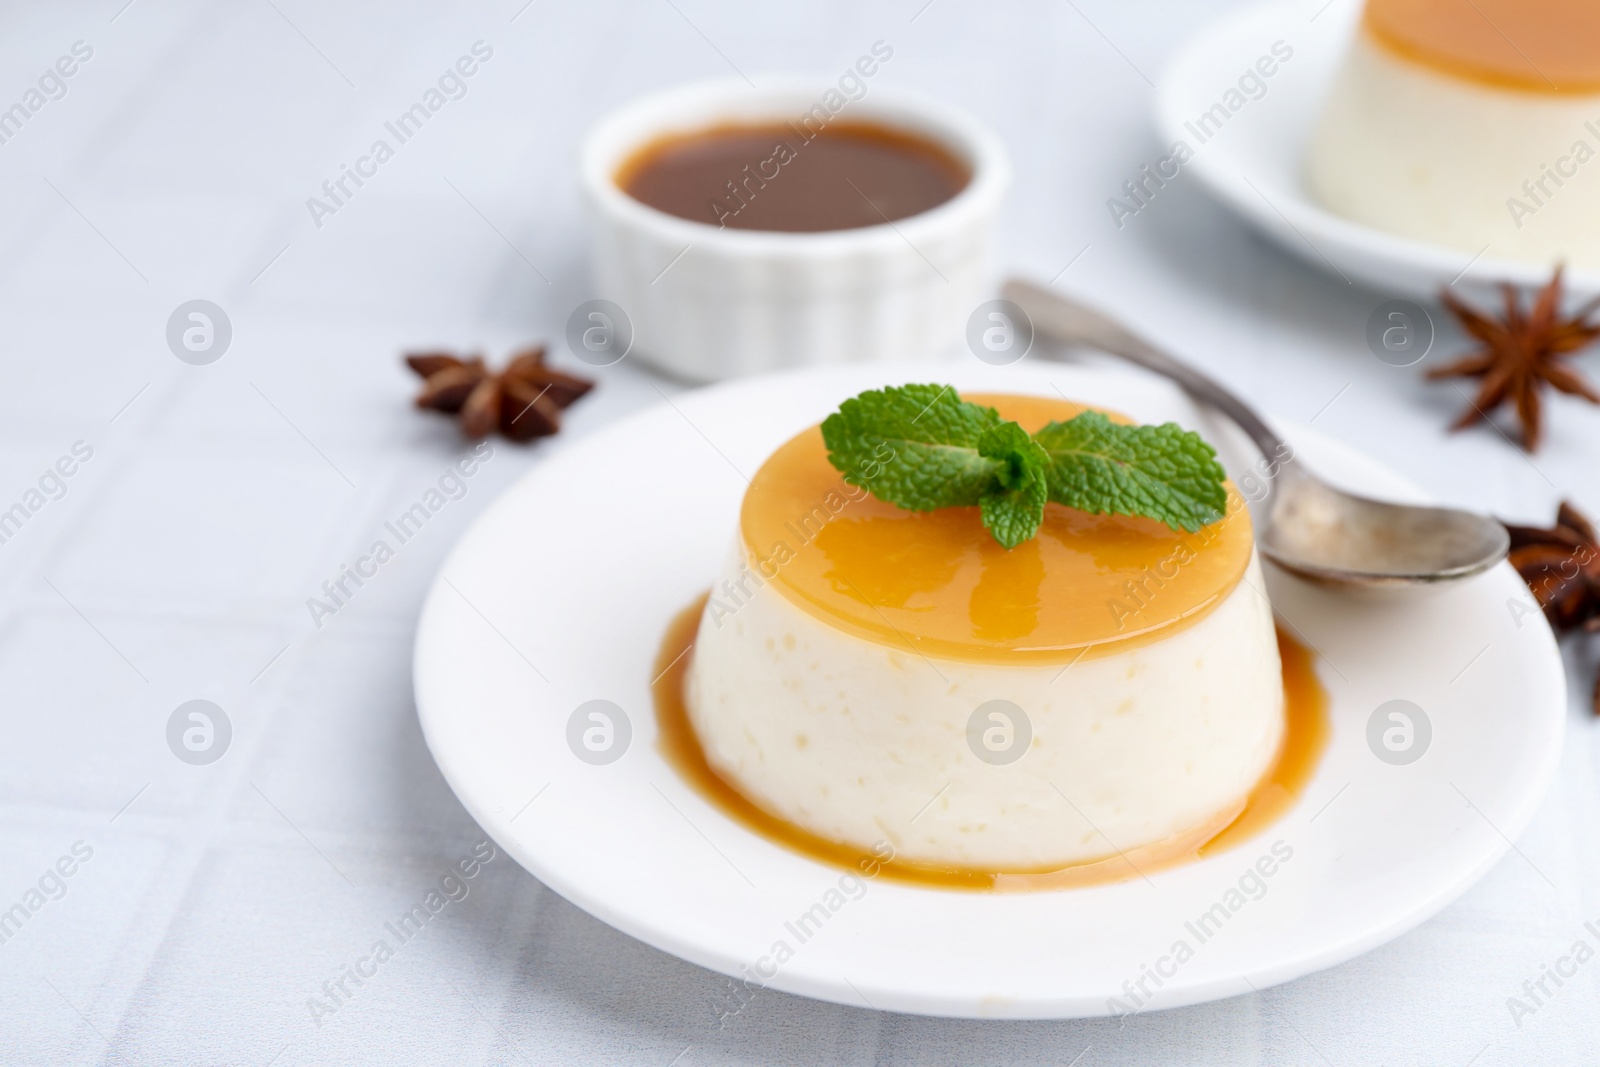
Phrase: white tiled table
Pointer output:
(176, 565)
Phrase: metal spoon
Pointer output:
(1319, 532)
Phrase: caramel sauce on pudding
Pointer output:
(1306, 735)
(938, 581)
(789, 179)
(1546, 46)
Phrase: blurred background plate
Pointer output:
(1256, 168)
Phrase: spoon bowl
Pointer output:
(1332, 537)
(1315, 530)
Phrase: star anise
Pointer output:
(524, 400)
(1520, 354)
(1562, 567)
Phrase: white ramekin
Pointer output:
(708, 303)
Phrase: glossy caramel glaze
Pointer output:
(938, 582)
(1305, 737)
(1544, 46)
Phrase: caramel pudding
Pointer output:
(779, 177)
(852, 658)
(1469, 123)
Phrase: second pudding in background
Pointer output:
(1469, 123)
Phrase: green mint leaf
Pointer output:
(1161, 472)
(915, 446)
(1013, 504)
(922, 447)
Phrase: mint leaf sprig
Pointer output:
(921, 447)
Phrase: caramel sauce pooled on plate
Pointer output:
(1305, 709)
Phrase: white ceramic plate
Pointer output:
(560, 593)
(1254, 164)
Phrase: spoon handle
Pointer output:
(1075, 323)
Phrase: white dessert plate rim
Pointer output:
(1255, 167)
(537, 611)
